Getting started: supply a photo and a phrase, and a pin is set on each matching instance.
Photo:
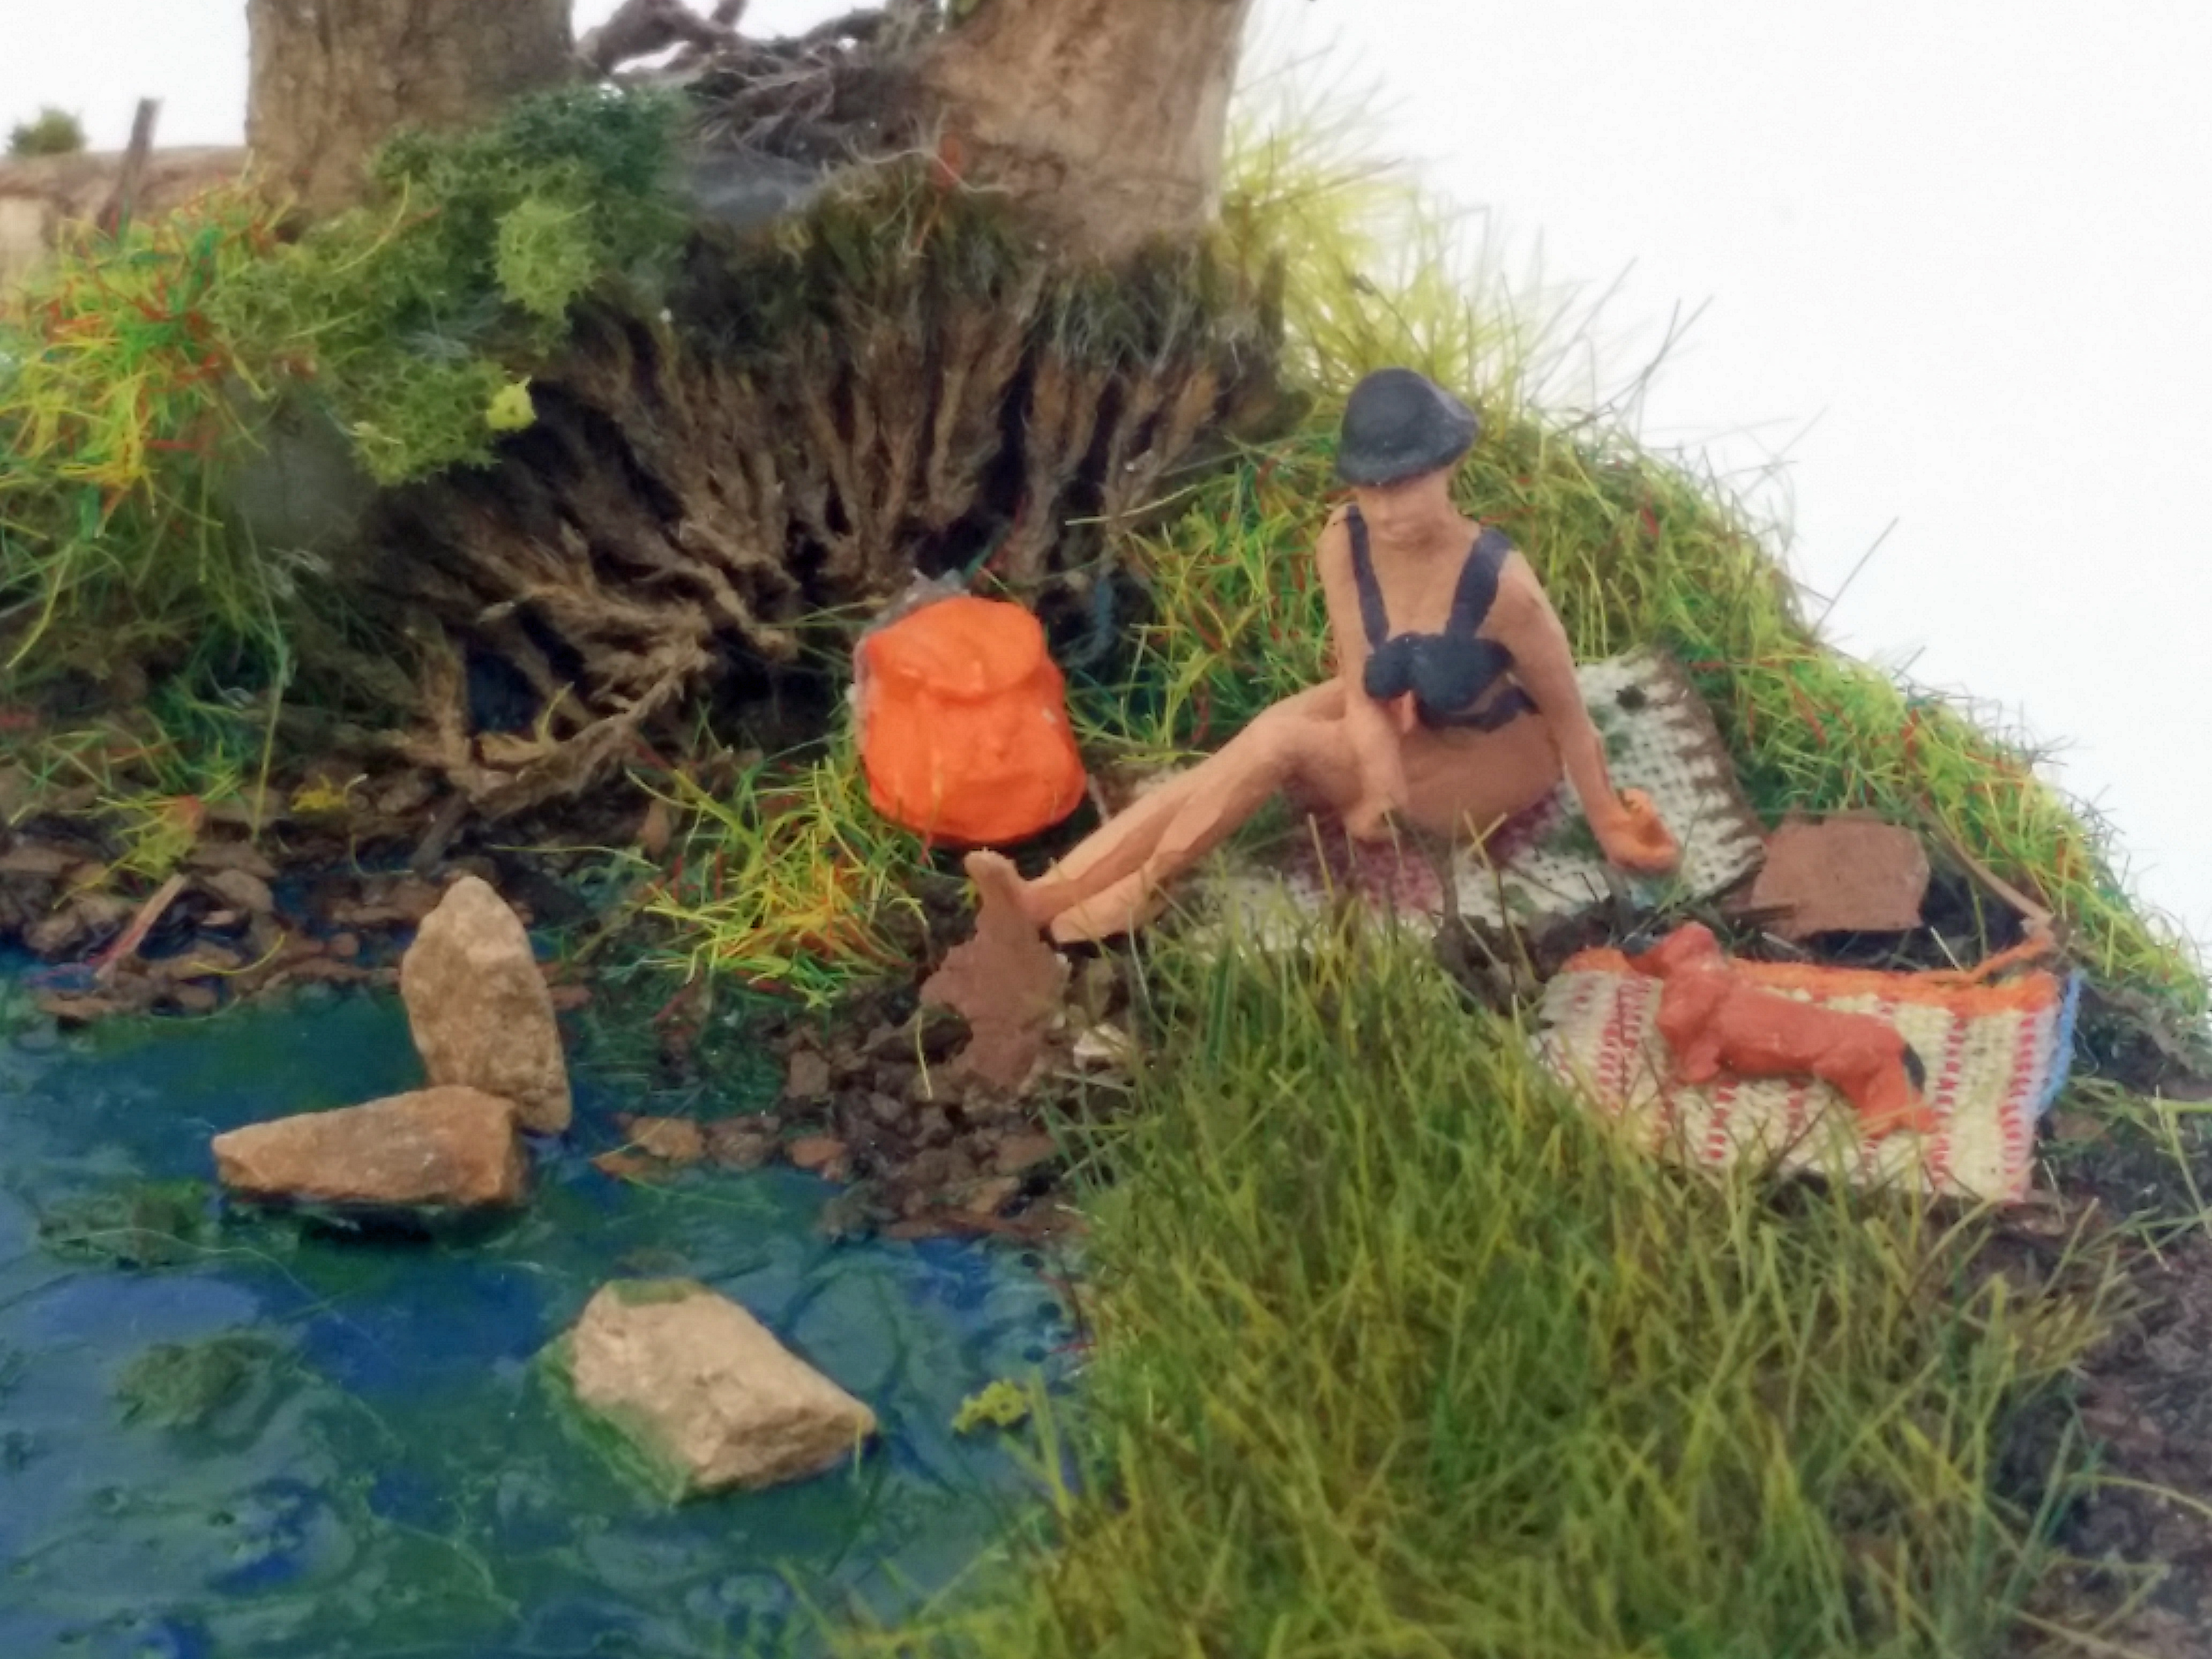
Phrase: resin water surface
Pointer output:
(365, 1464)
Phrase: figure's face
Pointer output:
(1400, 510)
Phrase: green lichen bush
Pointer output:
(140, 373)
(415, 312)
(50, 132)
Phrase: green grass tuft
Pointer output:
(1403, 1353)
(789, 882)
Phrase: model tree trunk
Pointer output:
(332, 78)
(1109, 116)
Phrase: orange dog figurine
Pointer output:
(1717, 1020)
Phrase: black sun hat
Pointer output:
(1398, 424)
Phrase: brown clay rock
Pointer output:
(1850, 874)
(478, 1007)
(444, 1148)
(1008, 983)
(703, 1392)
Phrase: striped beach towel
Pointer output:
(1997, 1056)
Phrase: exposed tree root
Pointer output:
(892, 390)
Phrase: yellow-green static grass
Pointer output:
(1402, 1353)
(117, 395)
(790, 883)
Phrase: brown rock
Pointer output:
(383, 903)
(203, 961)
(655, 829)
(1018, 1154)
(673, 1139)
(439, 1148)
(928, 1169)
(1846, 874)
(70, 1010)
(86, 920)
(41, 860)
(242, 889)
(323, 970)
(807, 1077)
(240, 855)
(1008, 983)
(632, 1166)
(409, 793)
(701, 1389)
(987, 1198)
(478, 1009)
(816, 1152)
(740, 1143)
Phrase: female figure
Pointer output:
(1454, 705)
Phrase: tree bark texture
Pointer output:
(1109, 117)
(330, 79)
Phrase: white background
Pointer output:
(1952, 258)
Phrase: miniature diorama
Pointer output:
(802, 764)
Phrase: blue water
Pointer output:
(396, 1480)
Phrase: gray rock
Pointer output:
(702, 1393)
(477, 1006)
(434, 1149)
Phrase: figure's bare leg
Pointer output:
(1125, 907)
(1130, 835)
(1164, 835)
(1125, 841)
(1132, 832)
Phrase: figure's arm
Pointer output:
(1375, 730)
(1626, 827)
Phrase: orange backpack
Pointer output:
(963, 723)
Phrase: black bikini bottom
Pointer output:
(1501, 711)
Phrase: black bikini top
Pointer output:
(1450, 672)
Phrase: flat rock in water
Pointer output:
(442, 1148)
(703, 1392)
(477, 1006)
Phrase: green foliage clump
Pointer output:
(999, 1404)
(153, 1225)
(413, 316)
(192, 1385)
(50, 132)
(790, 883)
(139, 375)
